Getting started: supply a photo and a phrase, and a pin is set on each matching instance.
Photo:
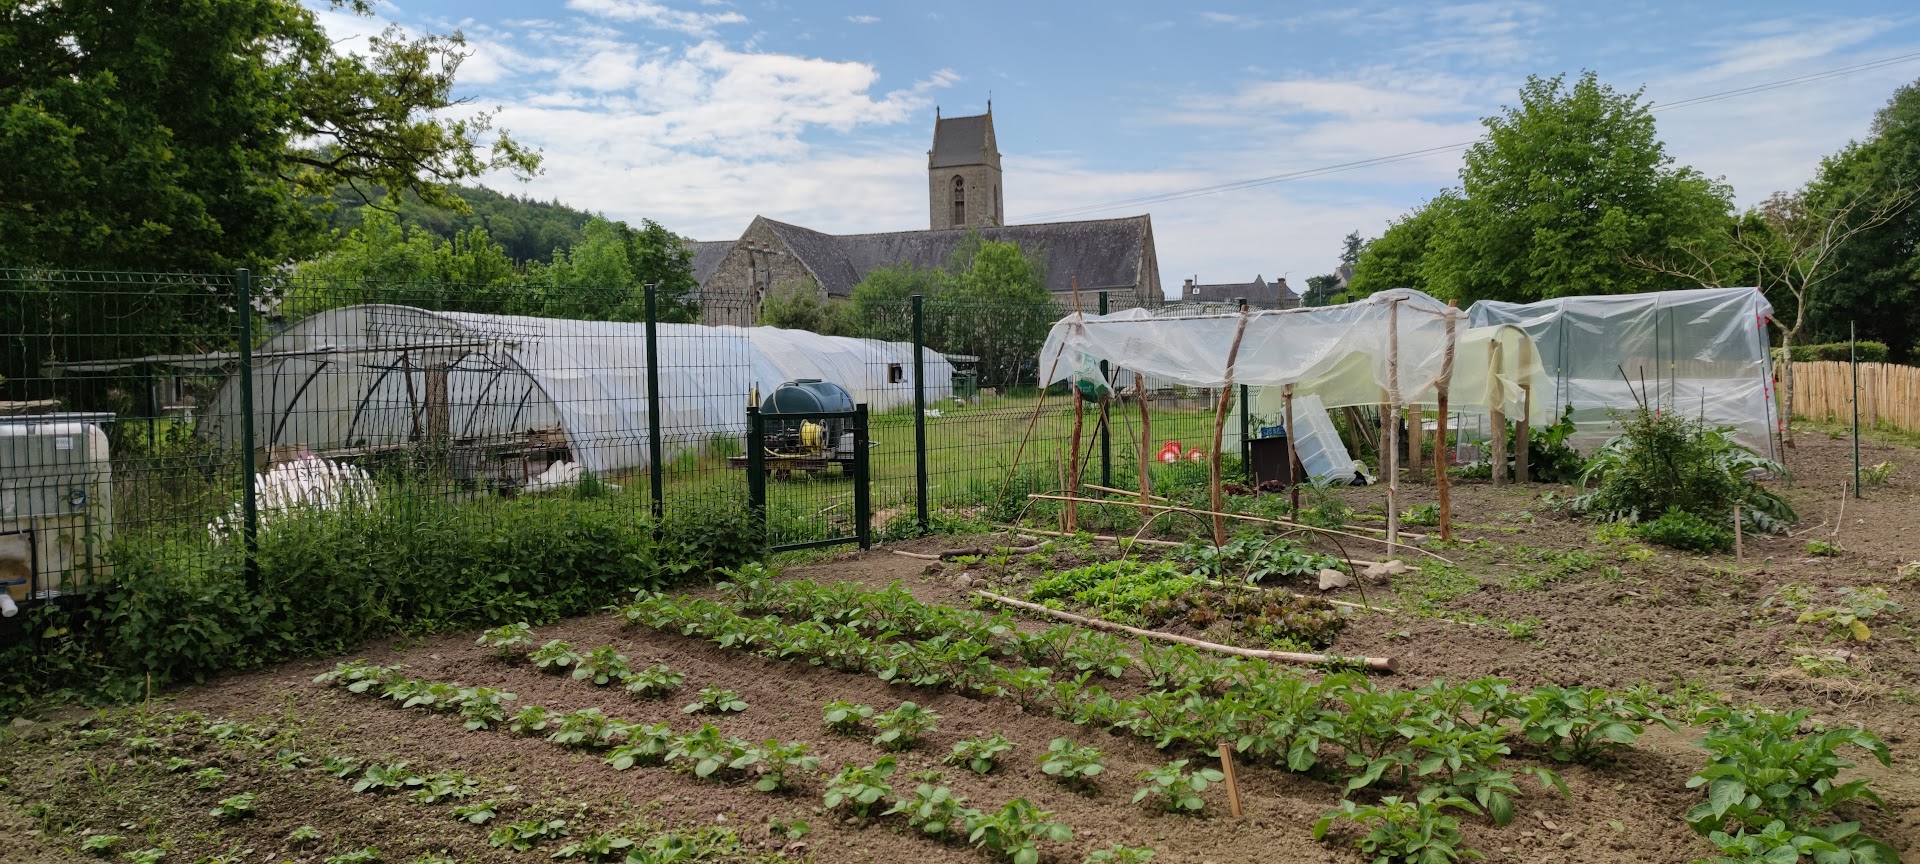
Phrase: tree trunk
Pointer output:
(1786, 388)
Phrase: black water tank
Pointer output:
(807, 396)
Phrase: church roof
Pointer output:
(1259, 293)
(960, 140)
(1101, 253)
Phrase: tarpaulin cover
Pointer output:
(1702, 352)
(1339, 353)
(359, 377)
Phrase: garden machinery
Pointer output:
(795, 437)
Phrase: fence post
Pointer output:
(250, 496)
(862, 495)
(655, 452)
(921, 516)
(1106, 429)
(1853, 360)
(757, 462)
(1246, 443)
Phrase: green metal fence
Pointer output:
(188, 414)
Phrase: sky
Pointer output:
(701, 114)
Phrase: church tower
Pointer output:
(963, 173)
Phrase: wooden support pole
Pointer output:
(1232, 781)
(1738, 551)
(1293, 460)
(1256, 519)
(1392, 459)
(1220, 426)
(1416, 439)
(1073, 455)
(1496, 409)
(1377, 664)
(1523, 470)
(1440, 450)
(1169, 544)
(1146, 442)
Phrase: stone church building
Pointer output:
(963, 196)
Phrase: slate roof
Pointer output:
(960, 140)
(1102, 253)
(1259, 293)
(707, 256)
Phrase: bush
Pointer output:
(1678, 529)
(1865, 352)
(1665, 462)
(180, 609)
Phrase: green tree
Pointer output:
(1351, 248)
(383, 261)
(800, 307)
(1566, 186)
(990, 301)
(882, 302)
(529, 230)
(604, 276)
(1320, 290)
(1397, 259)
(1875, 282)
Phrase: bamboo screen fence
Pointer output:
(1889, 394)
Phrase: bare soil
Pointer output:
(1629, 617)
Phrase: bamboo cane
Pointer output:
(1392, 459)
(1233, 782)
(1146, 440)
(1378, 664)
(1145, 541)
(1293, 460)
(1220, 426)
(1497, 411)
(1440, 439)
(1073, 458)
(1246, 518)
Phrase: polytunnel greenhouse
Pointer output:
(361, 380)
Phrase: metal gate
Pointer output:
(808, 476)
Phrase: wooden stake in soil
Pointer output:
(1392, 415)
(1378, 664)
(1246, 518)
(1233, 782)
(1416, 439)
(1440, 453)
(1738, 552)
(1523, 469)
(1220, 427)
(1073, 455)
(1146, 442)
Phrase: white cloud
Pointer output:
(658, 15)
(864, 19)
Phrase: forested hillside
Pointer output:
(529, 229)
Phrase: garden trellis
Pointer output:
(363, 378)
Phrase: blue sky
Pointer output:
(700, 114)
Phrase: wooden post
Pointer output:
(1416, 439)
(1392, 459)
(1220, 426)
(1738, 540)
(439, 414)
(1440, 452)
(1232, 780)
(1293, 461)
(1497, 411)
(1522, 462)
(1146, 444)
(1073, 455)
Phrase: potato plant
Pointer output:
(714, 700)
(644, 745)
(507, 640)
(1016, 830)
(555, 656)
(1400, 830)
(602, 666)
(857, 788)
(845, 717)
(936, 811)
(654, 682)
(902, 727)
(1174, 789)
(981, 755)
(1072, 764)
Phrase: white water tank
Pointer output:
(56, 503)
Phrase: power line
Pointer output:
(1321, 171)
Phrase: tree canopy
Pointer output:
(527, 229)
(1564, 188)
(1876, 274)
(182, 135)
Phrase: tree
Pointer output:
(1562, 190)
(604, 276)
(1351, 248)
(1320, 290)
(800, 307)
(1397, 258)
(384, 261)
(529, 230)
(1876, 274)
(990, 301)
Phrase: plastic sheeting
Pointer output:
(1702, 352)
(360, 377)
(1339, 353)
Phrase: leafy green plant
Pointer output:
(1419, 832)
(1845, 619)
(1072, 764)
(530, 720)
(1099, 653)
(482, 708)
(445, 786)
(714, 700)
(357, 676)
(289, 759)
(1578, 724)
(654, 682)
(845, 717)
(209, 777)
(507, 639)
(476, 812)
(603, 665)
(1679, 529)
(1763, 769)
(936, 811)
(1171, 787)
(236, 806)
(362, 855)
(903, 726)
(858, 788)
(706, 752)
(644, 745)
(1665, 461)
(587, 727)
(1015, 831)
(980, 754)
(1421, 514)
(594, 846)
(524, 835)
(1875, 476)
(1779, 843)
(144, 856)
(340, 766)
(100, 844)
(303, 835)
(778, 764)
(387, 778)
(1823, 549)
(555, 656)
